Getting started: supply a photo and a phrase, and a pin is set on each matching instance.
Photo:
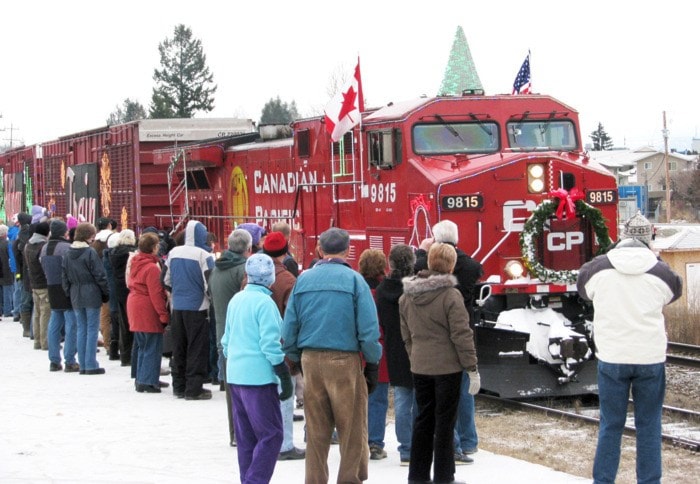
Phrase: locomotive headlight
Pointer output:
(535, 178)
(514, 269)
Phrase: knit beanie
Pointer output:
(42, 228)
(637, 227)
(102, 223)
(71, 221)
(58, 228)
(275, 244)
(255, 231)
(24, 218)
(260, 270)
(38, 214)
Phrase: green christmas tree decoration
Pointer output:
(460, 73)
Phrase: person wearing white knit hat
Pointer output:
(629, 286)
(639, 228)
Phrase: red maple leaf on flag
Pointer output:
(348, 103)
(340, 113)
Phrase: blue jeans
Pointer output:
(62, 319)
(148, 357)
(465, 429)
(7, 303)
(377, 406)
(648, 384)
(88, 320)
(405, 411)
(16, 298)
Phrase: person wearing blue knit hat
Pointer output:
(254, 366)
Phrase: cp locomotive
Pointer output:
(498, 166)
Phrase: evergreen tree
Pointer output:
(277, 112)
(184, 83)
(601, 140)
(131, 111)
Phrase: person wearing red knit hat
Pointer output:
(275, 245)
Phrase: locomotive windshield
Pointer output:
(542, 135)
(450, 138)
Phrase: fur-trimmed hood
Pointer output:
(424, 287)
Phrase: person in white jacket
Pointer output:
(629, 287)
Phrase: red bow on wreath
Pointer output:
(567, 200)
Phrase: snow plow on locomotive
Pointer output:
(531, 206)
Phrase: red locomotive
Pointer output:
(485, 162)
(488, 163)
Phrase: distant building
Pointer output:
(645, 166)
(682, 252)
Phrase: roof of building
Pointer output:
(629, 158)
(687, 237)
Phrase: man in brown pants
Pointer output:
(330, 321)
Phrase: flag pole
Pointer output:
(529, 59)
(361, 105)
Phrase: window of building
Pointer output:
(647, 165)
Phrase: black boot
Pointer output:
(114, 350)
(26, 320)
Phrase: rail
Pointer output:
(690, 444)
(689, 355)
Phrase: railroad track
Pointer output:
(673, 439)
(683, 355)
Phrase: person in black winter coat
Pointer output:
(37, 279)
(113, 350)
(26, 302)
(6, 276)
(390, 289)
(84, 280)
(62, 316)
(119, 257)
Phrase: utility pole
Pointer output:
(668, 180)
(12, 130)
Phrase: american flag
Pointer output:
(522, 84)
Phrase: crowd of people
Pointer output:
(338, 340)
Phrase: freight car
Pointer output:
(107, 171)
(531, 206)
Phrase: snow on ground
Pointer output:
(61, 427)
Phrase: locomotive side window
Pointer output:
(451, 138)
(303, 143)
(197, 180)
(385, 148)
(541, 135)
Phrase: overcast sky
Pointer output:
(67, 64)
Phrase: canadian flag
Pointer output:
(343, 112)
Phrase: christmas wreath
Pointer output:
(573, 204)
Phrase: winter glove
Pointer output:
(282, 372)
(371, 376)
(474, 382)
